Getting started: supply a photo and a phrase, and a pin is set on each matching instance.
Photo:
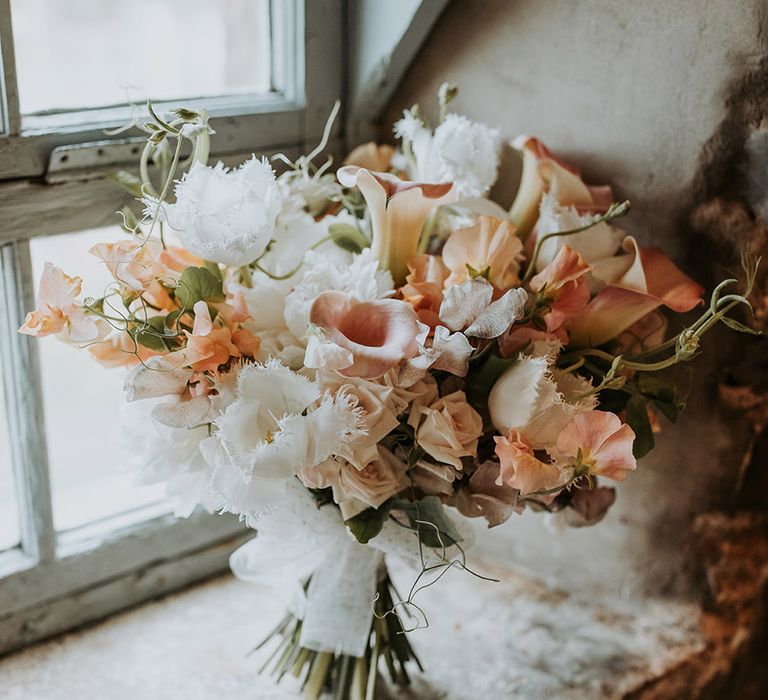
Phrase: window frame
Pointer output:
(54, 179)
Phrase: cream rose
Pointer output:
(449, 429)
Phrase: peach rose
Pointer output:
(449, 429)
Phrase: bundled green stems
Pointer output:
(345, 677)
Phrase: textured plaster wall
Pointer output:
(642, 95)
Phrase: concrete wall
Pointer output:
(649, 97)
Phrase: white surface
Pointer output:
(514, 639)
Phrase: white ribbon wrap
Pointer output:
(300, 540)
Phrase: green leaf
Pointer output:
(214, 268)
(429, 519)
(367, 524)
(348, 237)
(740, 327)
(637, 417)
(479, 383)
(151, 334)
(128, 181)
(663, 396)
(198, 284)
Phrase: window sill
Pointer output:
(485, 639)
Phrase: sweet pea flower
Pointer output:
(225, 216)
(398, 211)
(542, 173)
(361, 339)
(599, 444)
(58, 312)
(649, 280)
(491, 249)
(208, 346)
(521, 469)
(424, 287)
(133, 264)
(564, 286)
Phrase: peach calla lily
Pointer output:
(398, 211)
(650, 280)
(491, 248)
(600, 442)
(365, 339)
(58, 312)
(543, 172)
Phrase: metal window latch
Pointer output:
(86, 161)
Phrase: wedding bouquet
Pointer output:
(356, 363)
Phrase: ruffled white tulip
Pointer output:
(226, 216)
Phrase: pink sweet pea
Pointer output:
(363, 339)
(563, 282)
(543, 172)
(600, 443)
(58, 312)
(398, 211)
(651, 280)
(521, 469)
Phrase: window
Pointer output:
(77, 540)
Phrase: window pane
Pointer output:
(89, 53)
(87, 457)
(9, 515)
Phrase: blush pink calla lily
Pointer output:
(543, 172)
(603, 442)
(374, 335)
(651, 280)
(398, 211)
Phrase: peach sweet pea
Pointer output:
(398, 212)
(363, 339)
(649, 280)
(598, 443)
(491, 248)
(521, 469)
(424, 287)
(58, 312)
(133, 264)
(543, 172)
(564, 284)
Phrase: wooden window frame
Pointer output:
(54, 172)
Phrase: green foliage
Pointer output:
(663, 396)
(367, 524)
(479, 383)
(637, 418)
(152, 334)
(199, 284)
(428, 518)
(347, 237)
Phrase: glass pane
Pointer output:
(82, 400)
(89, 53)
(9, 514)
